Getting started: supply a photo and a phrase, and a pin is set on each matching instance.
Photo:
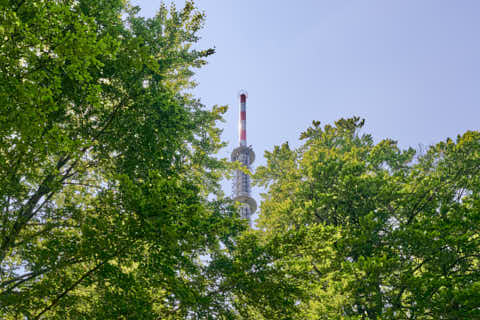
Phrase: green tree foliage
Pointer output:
(365, 230)
(106, 164)
(253, 286)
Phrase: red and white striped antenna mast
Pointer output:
(242, 123)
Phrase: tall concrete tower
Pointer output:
(246, 156)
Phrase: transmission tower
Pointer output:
(245, 155)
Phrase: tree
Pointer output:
(106, 164)
(369, 231)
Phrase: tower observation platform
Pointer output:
(244, 154)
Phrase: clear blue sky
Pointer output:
(411, 68)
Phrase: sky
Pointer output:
(411, 68)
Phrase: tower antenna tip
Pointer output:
(243, 93)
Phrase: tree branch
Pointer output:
(73, 286)
(76, 283)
